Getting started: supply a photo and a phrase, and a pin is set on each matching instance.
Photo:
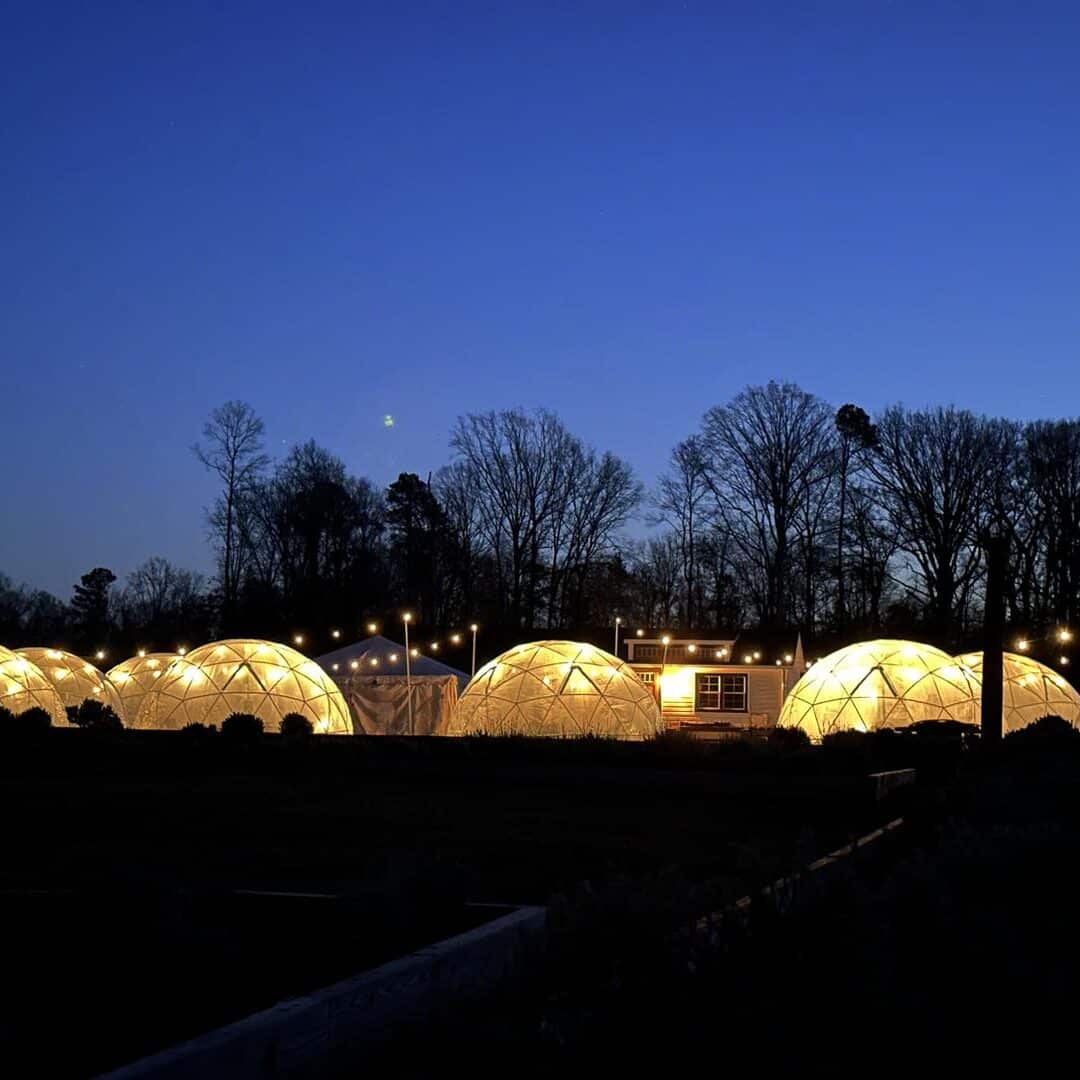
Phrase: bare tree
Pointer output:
(233, 451)
(769, 451)
(683, 501)
(1051, 548)
(857, 437)
(935, 475)
(546, 506)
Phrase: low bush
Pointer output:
(33, 720)
(242, 728)
(296, 728)
(195, 730)
(94, 715)
(1047, 733)
(788, 740)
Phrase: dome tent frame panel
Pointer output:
(23, 686)
(560, 689)
(135, 677)
(873, 685)
(241, 675)
(74, 679)
(1030, 691)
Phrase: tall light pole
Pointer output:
(665, 641)
(406, 619)
(474, 628)
(617, 621)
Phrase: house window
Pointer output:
(646, 652)
(647, 677)
(721, 693)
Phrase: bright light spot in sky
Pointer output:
(388, 420)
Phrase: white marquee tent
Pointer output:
(371, 675)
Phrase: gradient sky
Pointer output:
(623, 212)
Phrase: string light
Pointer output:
(434, 646)
(407, 617)
(354, 664)
(691, 648)
(393, 658)
(181, 649)
(1022, 645)
(788, 658)
(1064, 635)
(1063, 661)
(372, 627)
(414, 653)
(455, 639)
(640, 632)
(100, 654)
(665, 641)
(778, 661)
(748, 659)
(298, 639)
(335, 634)
(142, 652)
(474, 628)
(757, 655)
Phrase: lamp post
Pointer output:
(406, 619)
(474, 628)
(665, 641)
(617, 621)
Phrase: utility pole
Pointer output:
(997, 558)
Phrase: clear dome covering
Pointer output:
(244, 675)
(1031, 690)
(135, 678)
(74, 678)
(880, 684)
(561, 689)
(23, 686)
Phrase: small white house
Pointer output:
(708, 684)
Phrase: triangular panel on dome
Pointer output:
(557, 689)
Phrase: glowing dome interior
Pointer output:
(23, 686)
(74, 679)
(880, 684)
(561, 689)
(246, 676)
(1031, 690)
(134, 678)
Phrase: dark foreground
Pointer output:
(137, 867)
(951, 947)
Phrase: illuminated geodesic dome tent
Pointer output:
(1031, 690)
(23, 686)
(74, 679)
(560, 689)
(136, 677)
(880, 684)
(243, 675)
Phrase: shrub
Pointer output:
(1047, 733)
(95, 715)
(788, 740)
(242, 727)
(195, 730)
(32, 720)
(296, 728)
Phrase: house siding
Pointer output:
(766, 688)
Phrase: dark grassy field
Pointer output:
(123, 856)
(953, 947)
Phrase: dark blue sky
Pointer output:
(625, 213)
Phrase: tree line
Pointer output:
(779, 513)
